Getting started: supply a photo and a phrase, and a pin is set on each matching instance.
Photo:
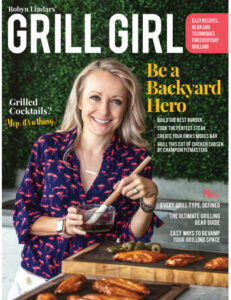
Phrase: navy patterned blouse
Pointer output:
(50, 185)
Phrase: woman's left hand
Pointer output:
(136, 187)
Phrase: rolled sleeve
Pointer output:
(127, 235)
(27, 209)
(24, 216)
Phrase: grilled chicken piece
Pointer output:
(105, 297)
(142, 256)
(74, 297)
(129, 285)
(113, 290)
(73, 283)
(218, 263)
(181, 260)
(46, 296)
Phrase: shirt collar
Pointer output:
(68, 139)
(113, 147)
(115, 144)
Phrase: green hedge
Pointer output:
(49, 78)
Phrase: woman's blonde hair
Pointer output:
(132, 124)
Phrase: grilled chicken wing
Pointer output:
(218, 263)
(181, 260)
(105, 297)
(142, 256)
(129, 284)
(46, 296)
(113, 290)
(73, 283)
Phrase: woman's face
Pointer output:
(103, 103)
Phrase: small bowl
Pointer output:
(104, 222)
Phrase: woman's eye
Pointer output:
(94, 97)
(117, 101)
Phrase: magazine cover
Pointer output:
(115, 149)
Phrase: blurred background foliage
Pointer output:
(49, 78)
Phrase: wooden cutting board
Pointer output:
(158, 291)
(96, 261)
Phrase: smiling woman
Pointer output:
(132, 124)
(96, 149)
(102, 103)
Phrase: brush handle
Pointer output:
(95, 217)
(137, 170)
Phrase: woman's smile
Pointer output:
(100, 121)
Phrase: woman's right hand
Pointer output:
(73, 219)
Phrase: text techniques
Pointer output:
(18, 32)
